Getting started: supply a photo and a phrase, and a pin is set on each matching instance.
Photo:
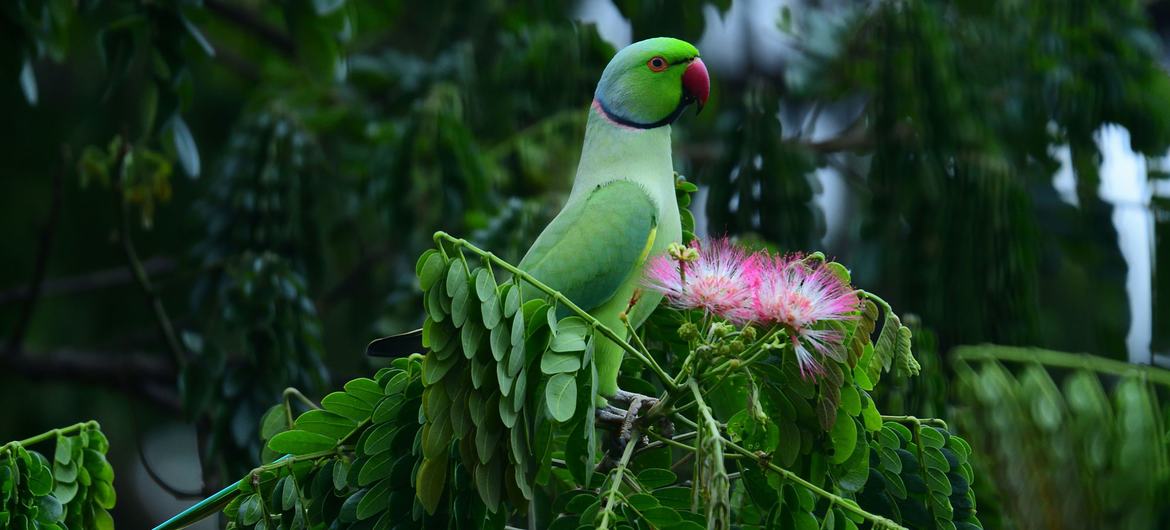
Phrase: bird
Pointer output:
(620, 211)
(621, 208)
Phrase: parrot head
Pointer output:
(650, 83)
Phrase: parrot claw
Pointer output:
(627, 398)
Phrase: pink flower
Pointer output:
(797, 295)
(719, 281)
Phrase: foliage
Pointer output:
(72, 490)
(291, 158)
(1071, 441)
(496, 424)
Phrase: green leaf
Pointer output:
(560, 396)
(511, 301)
(250, 511)
(570, 337)
(376, 500)
(330, 424)
(51, 509)
(273, 422)
(432, 269)
(40, 479)
(348, 406)
(491, 312)
(555, 363)
(65, 491)
(28, 82)
(471, 336)
(850, 400)
(365, 389)
(656, 478)
(661, 516)
(64, 450)
(300, 442)
(104, 494)
(434, 368)
(349, 508)
(432, 477)
(485, 285)
(844, 436)
(288, 493)
(501, 341)
(380, 439)
(184, 144)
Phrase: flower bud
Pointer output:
(675, 251)
(688, 332)
(721, 330)
(737, 346)
(748, 333)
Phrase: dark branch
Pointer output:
(33, 292)
(252, 22)
(89, 281)
(166, 328)
(150, 377)
(353, 279)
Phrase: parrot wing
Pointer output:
(593, 246)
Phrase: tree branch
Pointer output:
(147, 376)
(90, 281)
(164, 322)
(255, 24)
(32, 293)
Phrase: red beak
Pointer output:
(696, 83)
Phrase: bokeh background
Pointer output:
(204, 202)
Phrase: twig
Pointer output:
(252, 22)
(619, 471)
(667, 380)
(135, 264)
(33, 293)
(90, 281)
(52, 433)
(916, 421)
(1062, 360)
(353, 279)
(148, 376)
(836, 500)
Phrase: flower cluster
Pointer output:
(787, 291)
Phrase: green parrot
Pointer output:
(622, 206)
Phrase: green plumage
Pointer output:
(593, 246)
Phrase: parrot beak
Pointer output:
(696, 82)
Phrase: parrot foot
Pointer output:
(622, 397)
(624, 420)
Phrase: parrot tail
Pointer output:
(395, 346)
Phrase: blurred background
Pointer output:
(207, 201)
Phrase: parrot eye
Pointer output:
(657, 64)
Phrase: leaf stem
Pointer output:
(667, 380)
(1062, 360)
(877, 520)
(51, 434)
(619, 471)
(911, 420)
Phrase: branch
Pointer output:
(834, 500)
(667, 380)
(90, 281)
(33, 292)
(146, 376)
(255, 24)
(164, 322)
(619, 471)
(353, 279)
(1082, 361)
